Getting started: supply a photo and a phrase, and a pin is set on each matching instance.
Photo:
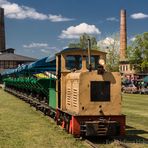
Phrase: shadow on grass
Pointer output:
(133, 131)
(132, 136)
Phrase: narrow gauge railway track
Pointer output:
(117, 143)
(91, 144)
(39, 105)
(121, 144)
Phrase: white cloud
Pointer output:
(75, 31)
(65, 47)
(133, 39)
(108, 41)
(112, 19)
(45, 51)
(58, 18)
(36, 45)
(43, 47)
(48, 49)
(15, 11)
(139, 15)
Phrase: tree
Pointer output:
(111, 46)
(83, 42)
(74, 45)
(137, 53)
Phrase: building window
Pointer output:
(131, 67)
(7, 64)
(126, 67)
(11, 64)
(121, 68)
(1, 64)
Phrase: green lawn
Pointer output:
(21, 126)
(135, 107)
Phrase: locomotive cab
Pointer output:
(73, 61)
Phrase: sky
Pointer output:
(39, 28)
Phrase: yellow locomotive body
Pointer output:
(88, 98)
(88, 93)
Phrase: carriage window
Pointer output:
(94, 62)
(73, 62)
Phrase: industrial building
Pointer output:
(125, 67)
(8, 59)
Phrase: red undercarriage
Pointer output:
(74, 124)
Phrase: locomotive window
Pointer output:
(94, 62)
(73, 62)
(100, 91)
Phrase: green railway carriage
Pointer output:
(44, 88)
(24, 82)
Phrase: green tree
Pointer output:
(83, 42)
(138, 53)
(74, 45)
(111, 46)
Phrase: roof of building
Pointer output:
(15, 57)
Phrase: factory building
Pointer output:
(125, 68)
(8, 59)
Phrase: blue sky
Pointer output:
(38, 28)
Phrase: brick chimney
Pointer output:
(123, 35)
(2, 31)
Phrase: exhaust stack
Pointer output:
(123, 35)
(89, 55)
(2, 31)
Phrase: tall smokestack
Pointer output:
(2, 30)
(123, 35)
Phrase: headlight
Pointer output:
(101, 69)
(102, 62)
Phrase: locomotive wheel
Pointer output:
(67, 127)
(70, 127)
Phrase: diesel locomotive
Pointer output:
(76, 90)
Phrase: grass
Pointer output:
(135, 107)
(23, 127)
